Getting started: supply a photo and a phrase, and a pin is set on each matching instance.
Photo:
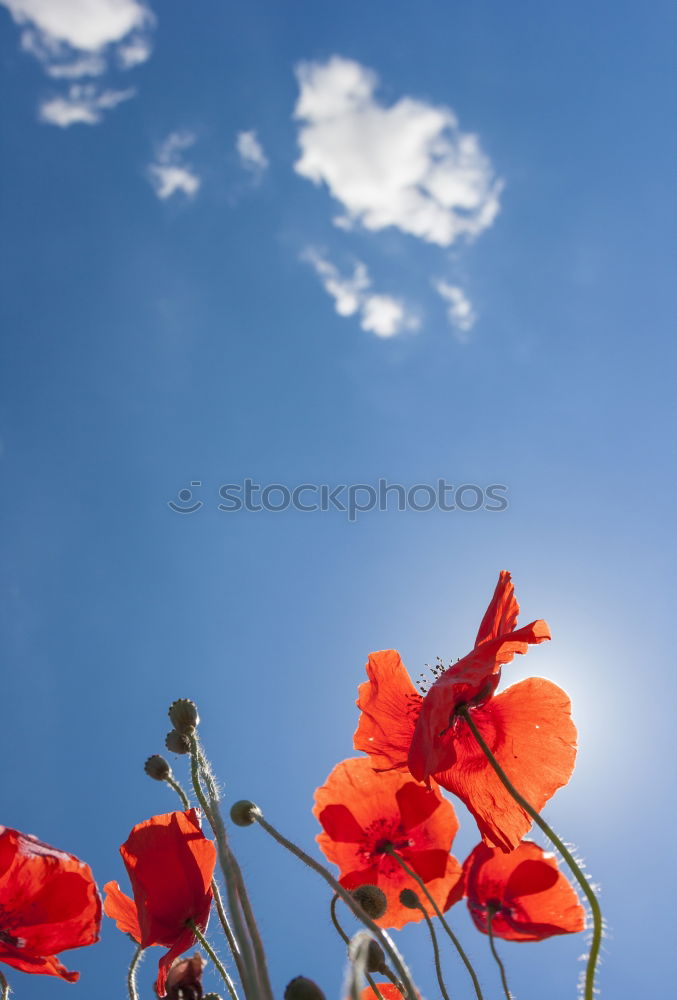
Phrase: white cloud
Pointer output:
(74, 39)
(169, 173)
(82, 104)
(250, 150)
(407, 165)
(460, 312)
(380, 314)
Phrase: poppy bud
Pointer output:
(183, 716)
(376, 959)
(184, 979)
(177, 742)
(156, 767)
(409, 899)
(243, 813)
(372, 900)
(301, 988)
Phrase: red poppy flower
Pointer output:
(530, 898)
(48, 903)
(364, 813)
(387, 991)
(528, 726)
(170, 864)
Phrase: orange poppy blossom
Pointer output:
(49, 902)
(387, 991)
(528, 727)
(170, 864)
(529, 898)
(365, 813)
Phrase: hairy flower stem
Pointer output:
(342, 933)
(218, 965)
(492, 945)
(4, 988)
(586, 888)
(436, 953)
(456, 943)
(248, 968)
(176, 787)
(381, 936)
(131, 974)
(252, 926)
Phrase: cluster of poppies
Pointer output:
(385, 822)
(379, 810)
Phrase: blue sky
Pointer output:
(190, 192)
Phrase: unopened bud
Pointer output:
(177, 742)
(243, 813)
(157, 767)
(409, 899)
(372, 900)
(376, 959)
(301, 988)
(183, 716)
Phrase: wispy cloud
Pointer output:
(383, 315)
(83, 104)
(169, 173)
(406, 165)
(460, 312)
(75, 39)
(250, 151)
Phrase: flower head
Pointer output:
(369, 816)
(528, 727)
(48, 903)
(528, 897)
(170, 864)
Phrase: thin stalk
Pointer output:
(4, 988)
(176, 787)
(227, 929)
(436, 953)
(492, 945)
(230, 986)
(456, 943)
(248, 971)
(131, 974)
(342, 933)
(261, 962)
(586, 888)
(381, 936)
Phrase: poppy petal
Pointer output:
(530, 877)
(416, 803)
(340, 824)
(529, 729)
(46, 965)
(502, 613)
(389, 705)
(122, 910)
(428, 865)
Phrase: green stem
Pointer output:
(4, 988)
(248, 971)
(175, 786)
(230, 986)
(492, 945)
(456, 943)
(342, 933)
(131, 974)
(586, 888)
(227, 929)
(261, 964)
(381, 936)
(436, 953)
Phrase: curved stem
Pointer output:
(456, 943)
(342, 933)
(436, 953)
(227, 929)
(230, 986)
(4, 988)
(586, 888)
(381, 936)
(176, 787)
(131, 974)
(492, 945)
(248, 970)
(261, 964)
